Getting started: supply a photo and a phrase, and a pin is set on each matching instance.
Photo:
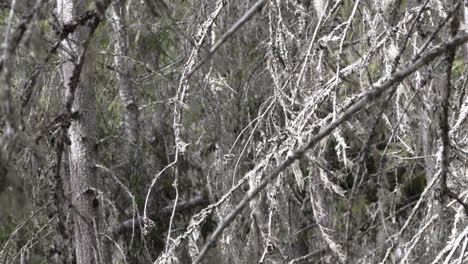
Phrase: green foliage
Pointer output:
(357, 207)
(375, 69)
(347, 9)
(102, 38)
(7, 226)
(458, 68)
(403, 4)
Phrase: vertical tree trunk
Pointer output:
(130, 114)
(127, 97)
(80, 98)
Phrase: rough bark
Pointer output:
(80, 99)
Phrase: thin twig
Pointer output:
(256, 7)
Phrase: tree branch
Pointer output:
(444, 127)
(376, 90)
(256, 7)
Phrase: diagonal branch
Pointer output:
(256, 7)
(376, 91)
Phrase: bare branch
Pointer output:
(376, 90)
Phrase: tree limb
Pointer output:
(444, 127)
(376, 90)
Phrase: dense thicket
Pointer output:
(269, 131)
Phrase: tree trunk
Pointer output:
(80, 99)
(127, 96)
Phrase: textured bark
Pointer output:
(80, 97)
(126, 93)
